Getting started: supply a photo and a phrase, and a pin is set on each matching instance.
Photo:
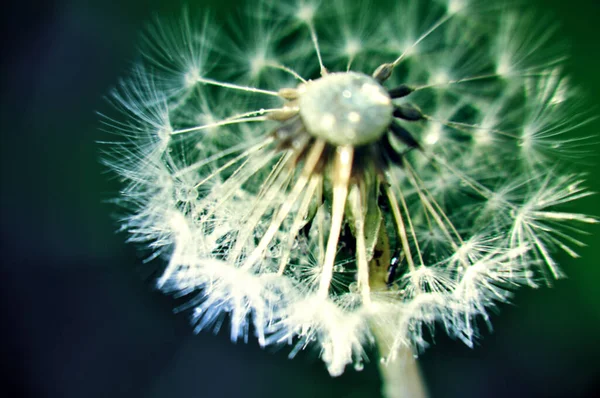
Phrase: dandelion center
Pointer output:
(345, 108)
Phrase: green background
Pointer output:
(79, 316)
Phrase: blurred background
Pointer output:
(79, 315)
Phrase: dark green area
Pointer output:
(80, 318)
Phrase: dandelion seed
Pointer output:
(358, 192)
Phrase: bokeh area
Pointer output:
(79, 315)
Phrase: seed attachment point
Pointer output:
(345, 108)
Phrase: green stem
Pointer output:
(400, 377)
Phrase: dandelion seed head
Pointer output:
(340, 179)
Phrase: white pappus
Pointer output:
(339, 176)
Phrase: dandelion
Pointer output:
(334, 178)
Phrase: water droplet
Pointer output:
(353, 287)
(528, 274)
(572, 188)
(359, 365)
(186, 194)
(274, 252)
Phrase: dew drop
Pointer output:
(186, 194)
(339, 268)
(572, 188)
(353, 287)
(274, 252)
(359, 365)
(528, 274)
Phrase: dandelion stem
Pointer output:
(399, 371)
(401, 377)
